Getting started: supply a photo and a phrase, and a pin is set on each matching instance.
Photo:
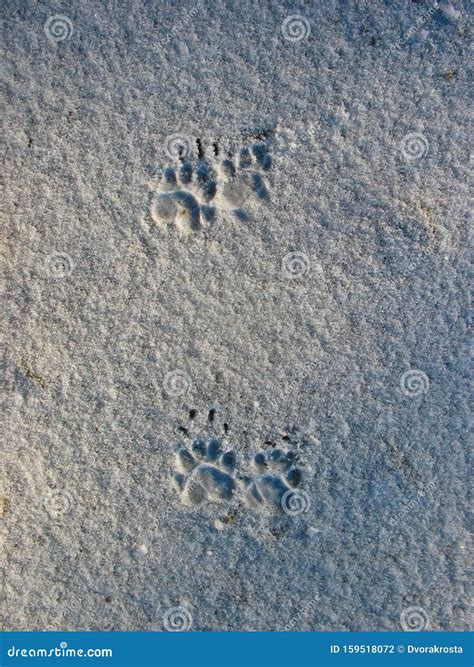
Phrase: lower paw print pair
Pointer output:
(189, 196)
(205, 473)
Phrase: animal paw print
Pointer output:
(243, 182)
(277, 475)
(183, 198)
(206, 473)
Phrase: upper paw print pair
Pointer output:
(188, 197)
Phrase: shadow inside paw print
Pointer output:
(205, 473)
(242, 181)
(276, 475)
(183, 198)
(185, 194)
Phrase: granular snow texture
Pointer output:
(237, 226)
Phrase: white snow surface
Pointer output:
(114, 354)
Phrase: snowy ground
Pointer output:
(321, 308)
